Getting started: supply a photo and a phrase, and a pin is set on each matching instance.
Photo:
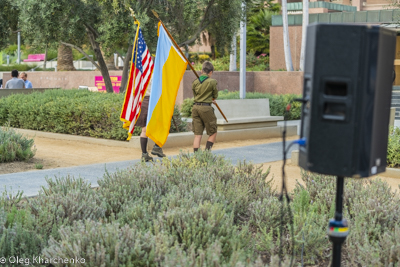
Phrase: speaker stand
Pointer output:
(338, 228)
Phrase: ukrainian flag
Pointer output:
(167, 75)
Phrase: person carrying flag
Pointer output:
(142, 122)
(205, 92)
(138, 87)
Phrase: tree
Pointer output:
(258, 31)
(304, 33)
(103, 24)
(65, 60)
(286, 41)
(8, 22)
(187, 19)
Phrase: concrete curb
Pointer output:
(186, 138)
(174, 140)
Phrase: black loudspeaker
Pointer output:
(346, 99)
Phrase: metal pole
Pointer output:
(338, 227)
(232, 65)
(19, 48)
(243, 55)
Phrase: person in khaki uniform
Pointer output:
(205, 92)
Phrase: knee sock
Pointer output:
(143, 144)
(195, 149)
(155, 145)
(209, 145)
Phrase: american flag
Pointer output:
(140, 74)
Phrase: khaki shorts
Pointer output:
(142, 120)
(203, 116)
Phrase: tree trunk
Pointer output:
(65, 59)
(102, 63)
(211, 41)
(304, 34)
(286, 41)
(125, 71)
(110, 62)
(232, 56)
(45, 58)
(213, 51)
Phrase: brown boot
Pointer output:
(146, 157)
(157, 151)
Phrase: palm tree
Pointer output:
(304, 33)
(258, 31)
(286, 42)
(65, 59)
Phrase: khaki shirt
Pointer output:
(206, 91)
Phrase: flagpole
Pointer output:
(177, 46)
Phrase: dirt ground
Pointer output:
(293, 175)
(52, 153)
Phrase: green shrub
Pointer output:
(14, 146)
(253, 62)
(19, 67)
(277, 103)
(76, 112)
(393, 155)
(104, 245)
(200, 210)
(63, 202)
(187, 107)
(18, 234)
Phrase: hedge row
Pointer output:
(277, 103)
(76, 112)
(198, 210)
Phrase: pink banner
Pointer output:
(101, 86)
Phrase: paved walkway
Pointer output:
(31, 182)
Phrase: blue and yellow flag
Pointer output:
(167, 75)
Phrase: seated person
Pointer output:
(15, 83)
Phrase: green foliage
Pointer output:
(8, 22)
(63, 202)
(253, 62)
(277, 103)
(104, 245)
(18, 235)
(187, 107)
(177, 119)
(14, 146)
(76, 112)
(258, 32)
(38, 166)
(19, 67)
(393, 155)
(199, 210)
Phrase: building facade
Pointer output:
(385, 17)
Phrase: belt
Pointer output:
(203, 104)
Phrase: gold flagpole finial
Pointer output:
(155, 14)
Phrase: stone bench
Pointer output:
(247, 119)
(245, 114)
